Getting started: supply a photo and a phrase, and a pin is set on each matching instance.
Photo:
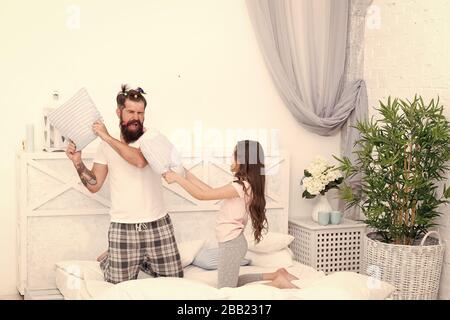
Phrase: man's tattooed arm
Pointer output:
(86, 176)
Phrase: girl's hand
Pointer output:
(170, 176)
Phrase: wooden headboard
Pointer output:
(58, 219)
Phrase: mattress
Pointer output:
(76, 280)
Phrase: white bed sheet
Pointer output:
(84, 280)
(80, 280)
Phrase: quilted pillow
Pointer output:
(74, 119)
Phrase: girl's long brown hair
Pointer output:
(249, 155)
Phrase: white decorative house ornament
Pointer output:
(53, 140)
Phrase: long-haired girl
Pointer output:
(244, 199)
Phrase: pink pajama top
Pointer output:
(233, 215)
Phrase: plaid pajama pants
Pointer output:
(150, 247)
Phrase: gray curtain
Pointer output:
(308, 46)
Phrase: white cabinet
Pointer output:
(328, 248)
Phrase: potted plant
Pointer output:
(402, 158)
(319, 177)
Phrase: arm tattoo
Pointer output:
(86, 176)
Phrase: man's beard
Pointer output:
(131, 135)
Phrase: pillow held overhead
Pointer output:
(74, 119)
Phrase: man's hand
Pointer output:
(72, 153)
(100, 130)
(170, 176)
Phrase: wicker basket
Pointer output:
(414, 270)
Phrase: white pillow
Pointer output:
(82, 269)
(94, 289)
(164, 288)
(345, 286)
(160, 153)
(279, 259)
(271, 242)
(74, 119)
(188, 250)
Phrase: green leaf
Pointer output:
(446, 192)
(307, 195)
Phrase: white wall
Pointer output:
(406, 52)
(197, 59)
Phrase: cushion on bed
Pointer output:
(74, 119)
(345, 286)
(208, 258)
(271, 242)
(82, 269)
(160, 153)
(280, 258)
(189, 250)
(94, 289)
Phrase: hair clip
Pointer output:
(140, 90)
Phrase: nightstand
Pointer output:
(328, 248)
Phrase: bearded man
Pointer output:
(141, 234)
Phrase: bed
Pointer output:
(83, 280)
(63, 228)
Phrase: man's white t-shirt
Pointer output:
(136, 193)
